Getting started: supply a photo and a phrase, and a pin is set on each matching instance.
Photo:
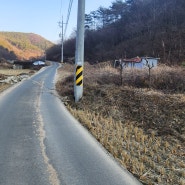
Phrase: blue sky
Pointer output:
(42, 16)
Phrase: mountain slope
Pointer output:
(130, 28)
(16, 45)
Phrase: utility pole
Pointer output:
(61, 24)
(79, 54)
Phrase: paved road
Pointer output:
(42, 144)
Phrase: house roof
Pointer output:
(138, 59)
(135, 60)
(36, 63)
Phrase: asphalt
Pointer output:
(42, 144)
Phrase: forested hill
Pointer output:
(135, 28)
(16, 45)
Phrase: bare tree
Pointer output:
(149, 66)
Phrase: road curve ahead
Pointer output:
(42, 144)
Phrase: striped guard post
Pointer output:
(79, 75)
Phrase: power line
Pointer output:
(61, 25)
(61, 6)
(68, 15)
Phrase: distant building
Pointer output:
(17, 66)
(24, 64)
(39, 63)
(137, 62)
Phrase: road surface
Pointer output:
(42, 144)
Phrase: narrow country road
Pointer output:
(42, 144)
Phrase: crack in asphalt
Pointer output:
(46, 89)
(53, 175)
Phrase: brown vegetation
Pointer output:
(5, 72)
(23, 46)
(142, 127)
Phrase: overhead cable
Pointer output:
(68, 15)
(61, 6)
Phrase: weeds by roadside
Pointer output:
(144, 129)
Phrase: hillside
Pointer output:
(131, 28)
(16, 45)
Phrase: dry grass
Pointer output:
(165, 78)
(4, 87)
(14, 72)
(11, 72)
(144, 129)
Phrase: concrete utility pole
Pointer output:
(79, 55)
(62, 47)
(61, 24)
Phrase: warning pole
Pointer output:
(79, 54)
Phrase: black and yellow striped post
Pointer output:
(79, 75)
(78, 85)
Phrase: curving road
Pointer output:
(42, 144)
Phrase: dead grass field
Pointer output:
(4, 73)
(14, 72)
(143, 128)
(4, 87)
